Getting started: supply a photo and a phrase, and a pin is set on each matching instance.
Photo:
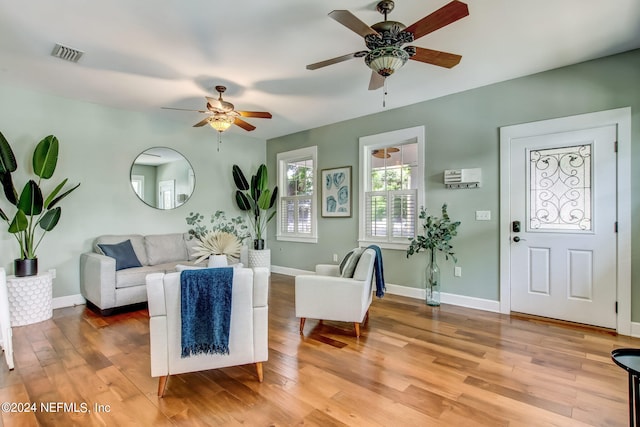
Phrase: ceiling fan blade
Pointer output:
(202, 122)
(376, 82)
(244, 125)
(335, 60)
(352, 22)
(258, 114)
(436, 57)
(444, 16)
(222, 106)
(183, 109)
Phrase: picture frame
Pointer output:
(336, 192)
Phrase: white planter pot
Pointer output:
(30, 298)
(218, 261)
(260, 258)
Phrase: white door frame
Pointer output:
(620, 117)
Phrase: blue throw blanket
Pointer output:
(206, 310)
(378, 270)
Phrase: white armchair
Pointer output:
(327, 296)
(248, 336)
(6, 335)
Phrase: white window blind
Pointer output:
(390, 215)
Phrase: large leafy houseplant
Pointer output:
(35, 215)
(256, 199)
(437, 233)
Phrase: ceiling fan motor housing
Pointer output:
(386, 55)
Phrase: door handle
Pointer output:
(518, 239)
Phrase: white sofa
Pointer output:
(248, 336)
(107, 290)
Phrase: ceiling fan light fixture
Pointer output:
(386, 60)
(221, 122)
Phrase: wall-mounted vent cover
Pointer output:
(66, 53)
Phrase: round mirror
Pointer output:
(162, 178)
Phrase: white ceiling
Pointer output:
(145, 54)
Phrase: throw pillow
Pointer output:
(123, 253)
(349, 262)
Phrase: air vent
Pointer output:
(67, 53)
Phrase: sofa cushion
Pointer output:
(137, 242)
(123, 253)
(163, 248)
(136, 276)
(191, 242)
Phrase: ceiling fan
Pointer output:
(385, 39)
(384, 153)
(221, 114)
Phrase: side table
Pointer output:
(629, 360)
(30, 298)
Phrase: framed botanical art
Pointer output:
(336, 192)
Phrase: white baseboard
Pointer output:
(417, 293)
(635, 329)
(67, 301)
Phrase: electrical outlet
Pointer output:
(53, 273)
(483, 215)
(457, 271)
(335, 257)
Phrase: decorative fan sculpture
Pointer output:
(385, 39)
(221, 114)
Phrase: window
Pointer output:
(391, 187)
(297, 202)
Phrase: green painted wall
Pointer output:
(97, 147)
(462, 131)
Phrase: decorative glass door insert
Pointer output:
(560, 190)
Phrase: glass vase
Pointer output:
(433, 282)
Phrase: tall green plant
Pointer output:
(256, 198)
(437, 234)
(33, 210)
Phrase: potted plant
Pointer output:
(217, 246)
(257, 200)
(208, 245)
(35, 215)
(219, 222)
(437, 235)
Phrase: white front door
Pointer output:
(563, 250)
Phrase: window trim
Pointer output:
(282, 159)
(382, 140)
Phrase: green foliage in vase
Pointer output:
(219, 222)
(35, 214)
(437, 234)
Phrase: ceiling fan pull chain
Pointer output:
(219, 140)
(384, 94)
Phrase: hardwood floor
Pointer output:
(413, 365)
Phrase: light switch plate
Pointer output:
(483, 215)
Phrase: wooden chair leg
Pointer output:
(259, 371)
(302, 320)
(357, 325)
(162, 383)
